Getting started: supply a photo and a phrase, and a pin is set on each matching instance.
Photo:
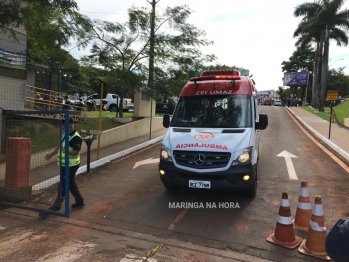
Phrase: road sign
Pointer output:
(332, 95)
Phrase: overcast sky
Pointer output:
(252, 34)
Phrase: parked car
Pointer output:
(267, 102)
(278, 102)
(96, 98)
(114, 101)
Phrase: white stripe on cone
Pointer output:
(317, 210)
(284, 220)
(302, 205)
(315, 226)
(284, 202)
(304, 192)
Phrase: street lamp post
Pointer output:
(335, 62)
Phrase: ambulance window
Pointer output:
(231, 111)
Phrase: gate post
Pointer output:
(2, 132)
(18, 155)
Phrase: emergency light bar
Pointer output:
(215, 77)
(226, 74)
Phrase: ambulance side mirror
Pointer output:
(263, 122)
(166, 121)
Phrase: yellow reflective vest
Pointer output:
(73, 160)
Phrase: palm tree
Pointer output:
(306, 36)
(322, 20)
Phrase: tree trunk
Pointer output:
(315, 73)
(151, 47)
(121, 104)
(318, 77)
(324, 70)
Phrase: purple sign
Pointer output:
(299, 79)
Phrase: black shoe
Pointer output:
(57, 204)
(78, 203)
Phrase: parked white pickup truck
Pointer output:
(95, 97)
(114, 101)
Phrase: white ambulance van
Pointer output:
(212, 139)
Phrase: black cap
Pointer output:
(337, 241)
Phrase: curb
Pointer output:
(340, 153)
(99, 162)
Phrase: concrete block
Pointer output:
(346, 122)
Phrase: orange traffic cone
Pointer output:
(314, 245)
(303, 212)
(284, 233)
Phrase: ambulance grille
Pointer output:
(201, 160)
(182, 130)
(233, 130)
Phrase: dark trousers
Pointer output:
(73, 188)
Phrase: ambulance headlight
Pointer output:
(244, 156)
(165, 153)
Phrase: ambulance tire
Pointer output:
(252, 190)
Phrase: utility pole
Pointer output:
(151, 59)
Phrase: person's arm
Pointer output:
(75, 143)
(50, 155)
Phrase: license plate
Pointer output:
(199, 184)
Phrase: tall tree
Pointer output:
(16, 13)
(50, 26)
(151, 56)
(338, 80)
(125, 48)
(301, 59)
(326, 17)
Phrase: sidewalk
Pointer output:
(335, 139)
(112, 152)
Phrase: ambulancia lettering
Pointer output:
(212, 146)
(221, 92)
(214, 92)
(203, 136)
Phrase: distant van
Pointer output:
(212, 141)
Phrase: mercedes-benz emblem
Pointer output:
(199, 159)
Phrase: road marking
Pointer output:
(146, 161)
(72, 251)
(134, 258)
(290, 168)
(179, 217)
(15, 240)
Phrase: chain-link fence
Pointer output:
(25, 169)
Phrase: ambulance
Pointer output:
(212, 141)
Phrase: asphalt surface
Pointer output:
(129, 245)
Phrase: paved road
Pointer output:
(128, 211)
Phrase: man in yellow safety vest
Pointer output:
(75, 142)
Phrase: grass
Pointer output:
(324, 115)
(92, 120)
(45, 135)
(341, 110)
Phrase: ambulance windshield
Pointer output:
(232, 111)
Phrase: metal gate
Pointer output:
(26, 138)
